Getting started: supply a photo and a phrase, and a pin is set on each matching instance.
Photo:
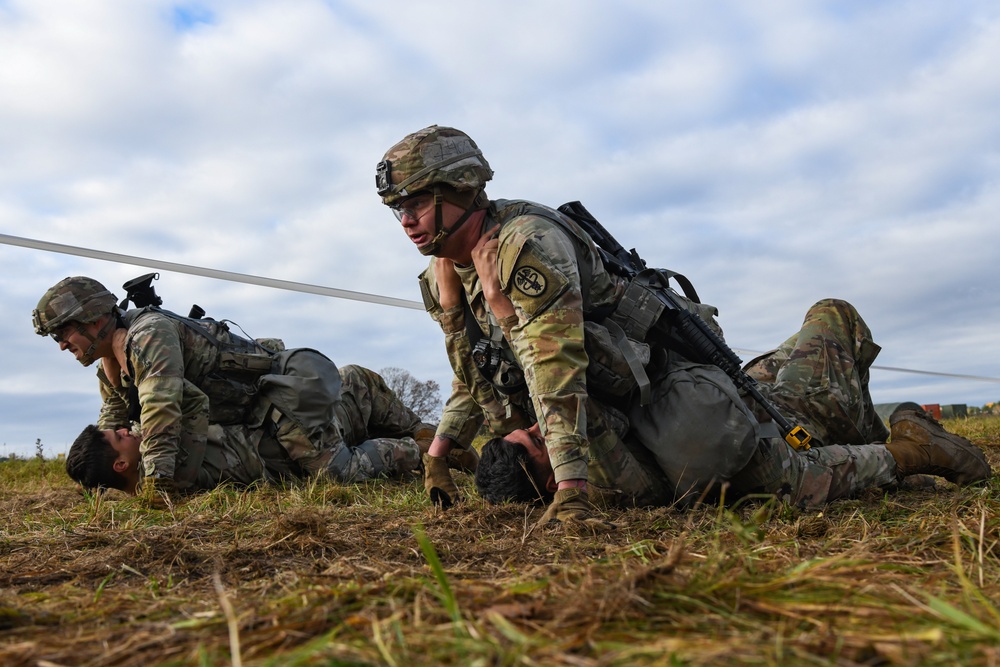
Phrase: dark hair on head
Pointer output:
(91, 461)
(502, 474)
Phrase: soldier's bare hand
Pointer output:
(448, 283)
(484, 257)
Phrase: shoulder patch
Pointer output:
(531, 282)
(507, 254)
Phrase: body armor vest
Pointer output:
(231, 381)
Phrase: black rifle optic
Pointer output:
(687, 331)
(141, 293)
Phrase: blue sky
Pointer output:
(190, 16)
(774, 152)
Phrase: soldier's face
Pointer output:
(539, 464)
(74, 337)
(128, 461)
(125, 443)
(416, 214)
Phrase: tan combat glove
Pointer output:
(157, 493)
(438, 482)
(463, 460)
(572, 508)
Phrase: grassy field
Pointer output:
(372, 575)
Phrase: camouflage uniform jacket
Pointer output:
(166, 362)
(553, 278)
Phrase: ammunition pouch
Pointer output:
(640, 310)
(232, 387)
(229, 400)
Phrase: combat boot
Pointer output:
(921, 446)
(438, 482)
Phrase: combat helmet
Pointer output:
(75, 299)
(440, 160)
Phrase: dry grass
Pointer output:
(329, 575)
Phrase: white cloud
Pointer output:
(776, 153)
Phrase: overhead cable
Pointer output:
(211, 273)
(981, 378)
(313, 289)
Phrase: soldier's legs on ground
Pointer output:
(231, 456)
(328, 452)
(814, 477)
(819, 376)
(370, 409)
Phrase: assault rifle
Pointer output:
(688, 333)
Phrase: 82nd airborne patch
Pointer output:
(529, 281)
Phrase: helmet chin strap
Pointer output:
(88, 356)
(433, 247)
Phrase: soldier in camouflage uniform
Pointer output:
(520, 273)
(434, 180)
(210, 406)
(367, 412)
(818, 377)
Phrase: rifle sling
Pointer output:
(631, 358)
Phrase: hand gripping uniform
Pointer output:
(212, 407)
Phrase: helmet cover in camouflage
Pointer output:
(74, 299)
(432, 156)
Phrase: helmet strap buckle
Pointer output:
(106, 328)
(479, 202)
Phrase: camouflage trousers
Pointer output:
(818, 378)
(372, 436)
(231, 456)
